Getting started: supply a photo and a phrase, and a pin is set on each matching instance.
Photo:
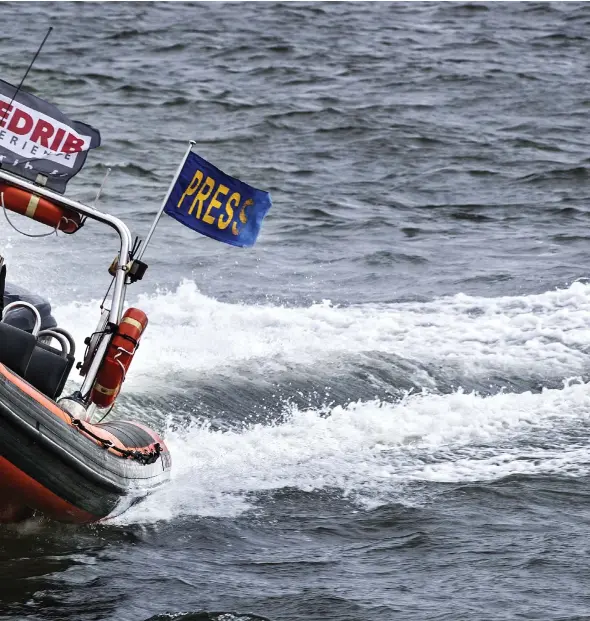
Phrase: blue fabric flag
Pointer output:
(212, 203)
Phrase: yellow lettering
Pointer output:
(202, 195)
(192, 187)
(215, 204)
(229, 211)
(242, 216)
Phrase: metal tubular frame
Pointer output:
(120, 286)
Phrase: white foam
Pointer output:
(370, 451)
(191, 334)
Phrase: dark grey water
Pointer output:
(381, 410)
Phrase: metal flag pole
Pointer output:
(146, 241)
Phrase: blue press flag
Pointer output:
(212, 203)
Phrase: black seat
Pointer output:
(43, 366)
(48, 370)
(16, 348)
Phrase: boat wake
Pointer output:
(371, 451)
(374, 452)
(191, 336)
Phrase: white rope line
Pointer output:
(22, 232)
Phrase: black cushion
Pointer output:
(16, 348)
(48, 370)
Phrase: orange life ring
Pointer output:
(112, 371)
(40, 209)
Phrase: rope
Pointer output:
(121, 350)
(108, 412)
(142, 458)
(106, 294)
(18, 230)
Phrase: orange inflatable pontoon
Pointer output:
(54, 460)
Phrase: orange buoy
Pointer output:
(111, 374)
(40, 209)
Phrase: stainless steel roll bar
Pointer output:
(120, 286)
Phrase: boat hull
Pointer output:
(66, 469)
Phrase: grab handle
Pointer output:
(31, 307)
(68, 336)
(63, 341)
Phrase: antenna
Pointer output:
(25, 76)
(101, 187)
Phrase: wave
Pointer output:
(374, 452)
(191, 336)
(371, 451)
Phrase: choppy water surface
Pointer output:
(380, 411)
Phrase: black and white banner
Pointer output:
(38, 142)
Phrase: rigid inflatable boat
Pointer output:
(54, 458)
(70, 457)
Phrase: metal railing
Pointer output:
(120, 283)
